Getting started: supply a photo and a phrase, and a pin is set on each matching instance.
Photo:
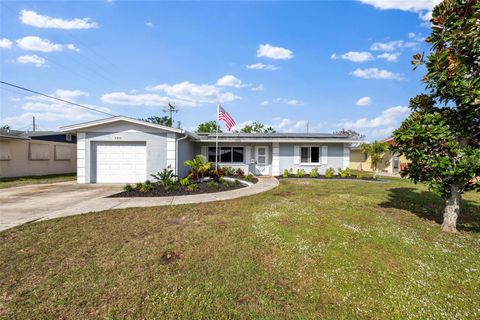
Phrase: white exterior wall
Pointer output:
(81, 156)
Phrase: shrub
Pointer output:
(170, 188)
(300, 173)
(138, 185)
(220, 172)
(249, 177)
(199, 166)
(212, 185)
(344, 173)
(185, 182)
(229, 171)
(329, 173)
(240, 173)
(166, 177)
(146, 186)
(192, 187)
(231, 183)
(314, 172)
(221, 180)
(128, 188)
(286, 173)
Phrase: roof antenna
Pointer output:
(170, 110)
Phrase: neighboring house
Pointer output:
(122, 149)
(390, 163)
(36, 153)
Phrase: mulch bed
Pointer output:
(159, 191)
(336, 177)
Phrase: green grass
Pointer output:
(22, 181)
(305, 250)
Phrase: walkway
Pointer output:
(25, 204)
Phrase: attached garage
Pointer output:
(120, 162)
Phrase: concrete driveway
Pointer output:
(19, 205)
(25, 204)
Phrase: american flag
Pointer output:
(223, 115)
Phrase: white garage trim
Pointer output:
(81, 143)
(120, 162)
(171, 151)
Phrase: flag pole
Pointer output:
(216, 138)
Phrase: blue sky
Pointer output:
(332, 63)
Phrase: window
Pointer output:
(310, 154)
(68, 137)
(226, 154)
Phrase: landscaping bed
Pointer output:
(179, 190)
(335, 177)
(330, 174)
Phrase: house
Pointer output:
(390, 163)
(36, 153)
(121, 149)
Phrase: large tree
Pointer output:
(257, 127)
(441, 137)
(350, 133)
(208, 127)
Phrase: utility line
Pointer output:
(55, 98)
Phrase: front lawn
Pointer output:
(21, 181)
(305, 250)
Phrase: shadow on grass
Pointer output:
(429, 206)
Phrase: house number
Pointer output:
(117, 138)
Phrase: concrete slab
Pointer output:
(26, 204)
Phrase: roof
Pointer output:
(228, 137)
(40, 133)
(12, 135)
(280, 137)
(89, 124)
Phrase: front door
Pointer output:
(261, 160)
(395, 163)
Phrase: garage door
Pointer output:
(121, 162)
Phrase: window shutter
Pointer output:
(324, 154)
(205, 152)
(247, 154)
(296, 154)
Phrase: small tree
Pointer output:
(443, 142)
(350, 133)
(257, 127)
(208, 127)
(164, 121)
(199, 166)
(375, 150)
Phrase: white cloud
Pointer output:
(277, 53)
(393, 45)
(364, 101)
(388, 117)
(262, 66)
(265, 103)
(355, 56)
(411, 35)
(32, 59)
(48, 110)
(287, 125)
(292, 102)
(191, 94)
(391, 57)
(422, 7)
(375, 73)
(229, 81)
(149, 24)
(260, 87)
(5, 43)
(146, 99)
(35, 43)
(34, 19)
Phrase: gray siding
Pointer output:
(186, 151)
(334, 157)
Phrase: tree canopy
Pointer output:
(441, 137)
(208, 127)
(164, 121)
(375, 151)
(350, 133)
(257, 127)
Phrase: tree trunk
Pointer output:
(452, 209)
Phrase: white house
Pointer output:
(121, 149)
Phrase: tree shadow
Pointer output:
(429, 206)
